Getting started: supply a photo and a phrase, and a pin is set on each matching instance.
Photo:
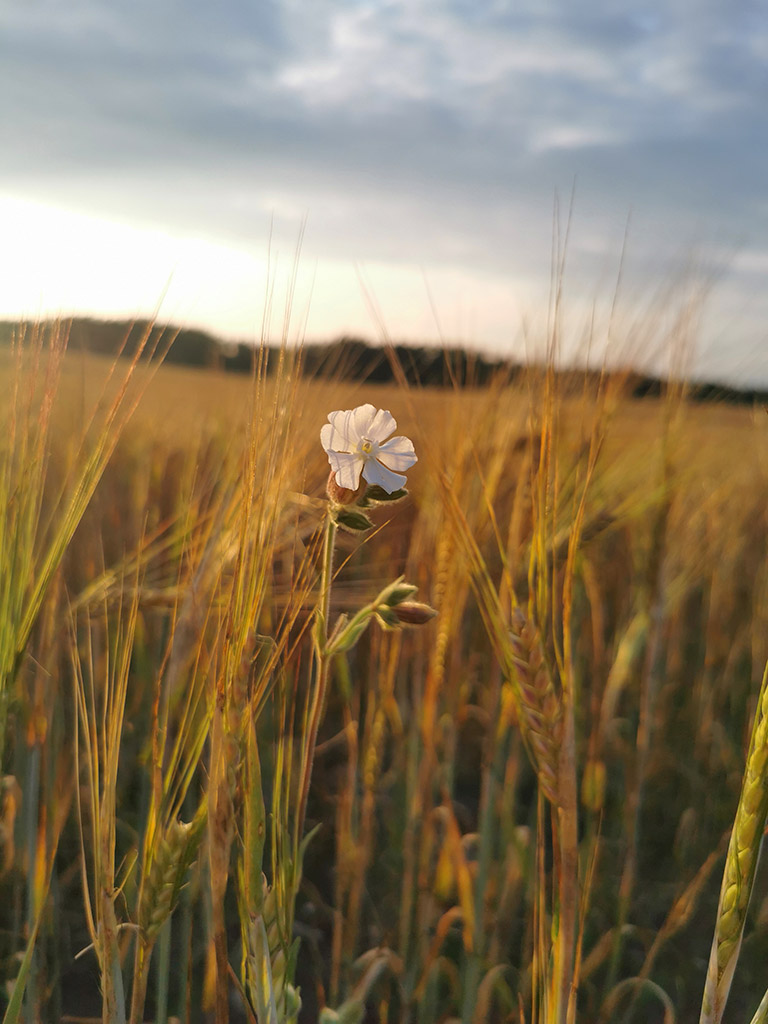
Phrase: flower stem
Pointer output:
(327, 571)
(320, 671)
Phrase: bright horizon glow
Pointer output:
(64, 262)
(67, 263)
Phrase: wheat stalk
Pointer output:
(740, 867)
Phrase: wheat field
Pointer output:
(245, 778)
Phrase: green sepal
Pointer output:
(378, 496)
(351, 519)
(338, 628)
(351, 632)
(387, 617)
(396, 593)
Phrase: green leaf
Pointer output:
(350, 634)
(352, 519)
(13, 1013)
(305, 843)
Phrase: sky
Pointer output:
(410, 169)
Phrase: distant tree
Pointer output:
(350, 358)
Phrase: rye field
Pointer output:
(280, 745)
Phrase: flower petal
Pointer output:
(343, 437)
(397, 453)
(381, 425)
(360, 421)
(330, 439)
(347, 469)
(341, 421)
(380, 476)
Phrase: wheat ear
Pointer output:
(538, 705)
(270, 970)
(176, 849)
(740, 867)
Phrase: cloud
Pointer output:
(123, 85)
(409, 132)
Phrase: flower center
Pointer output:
(366, 446)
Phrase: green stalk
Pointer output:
(220, 837)
(761, 1013)
(493, 772)
(321, 666)
(140, 980)
(651, 605)
(32, 795)
(564, 936)
(112, 994)
(186, 936)
(163, 969)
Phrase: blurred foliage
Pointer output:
(355, 359)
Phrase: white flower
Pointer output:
(355, 442)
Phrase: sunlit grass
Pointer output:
(518, 811)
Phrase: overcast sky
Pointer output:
(169, 153)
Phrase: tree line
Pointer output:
(344, 358)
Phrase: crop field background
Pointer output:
(218, 806)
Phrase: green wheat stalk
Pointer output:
(740, 867)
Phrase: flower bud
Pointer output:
(343, 495)
(414, 613)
